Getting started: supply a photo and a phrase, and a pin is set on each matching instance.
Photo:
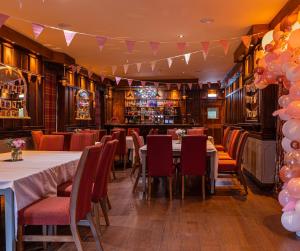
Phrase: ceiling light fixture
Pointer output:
(181, 36)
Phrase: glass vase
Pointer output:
(16, 154)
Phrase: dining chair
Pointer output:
(99, 193)
(61, 211)
(137, 142)
(102, 132)
(172, 132)
(193, 159)
(195, 131)
(96, 132)
(81, 140)
(122, 148)
(159, 159)
(52, 143)
(153, 131)
(222, 147)
(234, 165)
(36, 138)
(104, 140)
(232, 146)
(129, 130)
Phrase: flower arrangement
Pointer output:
(180, 132)
(16, 146)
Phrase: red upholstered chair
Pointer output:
(153, 131)
(137, 161)
(224, 140)
(234, 165)
(195, 131)
(193, 159)
(105, 139)
(99, 195)
(129, 130)
(96, 132)
(122, 148)
(81, 140)
(65, 210)
(52, 143)
(36, 138)
(159, 159)
(232, 146)
(172, 132)
(102, 132)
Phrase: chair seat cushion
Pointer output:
(65, 189)
(227, 165)
(220, 147)
(48, 211)
(223, 155)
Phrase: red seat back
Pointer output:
(52, 143)
(225, 135)
(36, 138)
(233, 142)
(137, 142)
(153, 131)
(193, 155)
(102, 132)
(172, 132)
(83, 182)
(197, 132)
(81, 140)
(159, 155)
(105, 139)
(129, 130)
(121, 149)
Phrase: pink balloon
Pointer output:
(270, 57)
(295, 92)
(270, 77)
(291, 129)
(293, 109)
(293, 73)
(284, 197)
(293, 188)
(286, 144)
(285, 57)
(282, 114)
(289, 207)
(291, 221)
(284, 101)
(292, 158)
(294, 39)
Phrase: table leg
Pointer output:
(10, 241)
(143, 155)
(212, 172)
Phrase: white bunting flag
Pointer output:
(190, 85)
(126, 66)
(153, 63)
(69, 36)
(138, 66)
(113, 69)
(170, 61)
(187, 57)
(118, 79)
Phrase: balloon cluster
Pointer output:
(280, 64)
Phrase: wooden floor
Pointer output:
(225, 221)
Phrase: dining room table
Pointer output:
(211, 152)
(36, 176)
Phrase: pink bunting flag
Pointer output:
(205, 48)
(37, 29)
(130, 45)
(118, 79)
(90, 73)
(156, 84)
(168, 86)
(126, 66)
(153, 63)
(138, 66)
(78, 68)
(178, 86)
(181, 46)
(190, 85)
(224, 43)
(154, 47)
(200, 85)
(113, 69)
(246, 41)
(3, 19)
(187, 57)
(129, 82)
(73, 68)
(102, 79)
(143, 83)
(170, 61)
(209, 84)
(101, 41)
(69, 36)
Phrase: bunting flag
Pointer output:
(90, 74)
(200, 85)
(126, 66)
(20, 81)
(101, 42)
(153, 63)
(156, 84)
(78, 68)
(113, 69)
(190, 85)
(37, 29)
(143, 83)
(3, 19)
(205, 48)
(209, 84)
(138, 66)
(118, 79)
(170, 61)
(154, 47)
(69, 35)
(129, 82)
(168, 86)
(73, 68)
(246, 41)
(102, 79)
(130, 45)
(224, 43)
(181, 46)
(187, 57)
(178, 86)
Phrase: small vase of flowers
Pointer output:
(16, 146)
(180, 133)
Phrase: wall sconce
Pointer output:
(212, 93)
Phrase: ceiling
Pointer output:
(154, 20)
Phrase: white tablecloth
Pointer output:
(37, 176)
(130, 147)
(176, 148)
